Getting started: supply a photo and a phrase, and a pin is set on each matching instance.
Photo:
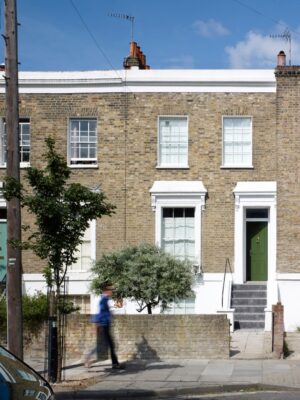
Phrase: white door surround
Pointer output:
(249, 195)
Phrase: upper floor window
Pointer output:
(237, 142)
(173, 142)
(83, 141)
(24, 134)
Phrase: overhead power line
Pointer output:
(241, 3)
(93, 38)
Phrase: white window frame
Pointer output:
(72, 272)
(3, 147)
(179, 194)
(182, 221)
(167, 165)
(82, 162)
(233, 165)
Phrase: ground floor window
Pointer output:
(81, 301)
(85, 251)
(178, 209)
(178, 232)
(186, 306)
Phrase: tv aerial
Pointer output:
(286, 35)
(126, 17)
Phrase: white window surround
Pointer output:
(226, 164)
(160, 164)
(88, 161)
(254, 195)
(178, 194)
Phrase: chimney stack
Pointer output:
(281, 59)
(136, 58)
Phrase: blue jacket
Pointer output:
(103, 318)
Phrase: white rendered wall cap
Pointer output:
(256, 187)
(193, 187)
(152, 75)
(156, 75)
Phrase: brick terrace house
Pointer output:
(205, 163)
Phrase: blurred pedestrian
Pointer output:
(103, 319)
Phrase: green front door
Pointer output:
(257, 251)
(3, 249)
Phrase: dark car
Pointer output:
(19, 381)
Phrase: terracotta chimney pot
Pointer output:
(133, 49)
(281, 59)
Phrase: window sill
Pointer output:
(84, 166)
(22, 165)
(236, 167)
(73, 272)
(172, 167)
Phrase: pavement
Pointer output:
(251, 366)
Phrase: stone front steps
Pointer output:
(249, 301)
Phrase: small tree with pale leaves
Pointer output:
(145, 274)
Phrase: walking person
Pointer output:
(103, 320)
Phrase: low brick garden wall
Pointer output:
(172, 336)
(155, 337)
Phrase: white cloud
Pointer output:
(261, 51)
(181, 62)
(210, 28)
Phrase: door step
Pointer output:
(249, 302)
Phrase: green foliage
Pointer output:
(67, 307)
(35, 310)
(62, 211)
(286, 350)
(145, 274)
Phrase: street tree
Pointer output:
(145, 274)
(62, 213)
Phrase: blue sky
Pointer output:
(80, 34)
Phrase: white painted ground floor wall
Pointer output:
(212, 292)
(208, 289)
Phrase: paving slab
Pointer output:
(249, 367)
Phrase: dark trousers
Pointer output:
(109, 340)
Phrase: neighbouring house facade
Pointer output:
(205, 163)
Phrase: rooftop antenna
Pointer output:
(129, 18)
(286, 35)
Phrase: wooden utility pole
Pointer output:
(14, 265)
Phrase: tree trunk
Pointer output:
(149, 308)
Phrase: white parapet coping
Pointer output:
(139, 81)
